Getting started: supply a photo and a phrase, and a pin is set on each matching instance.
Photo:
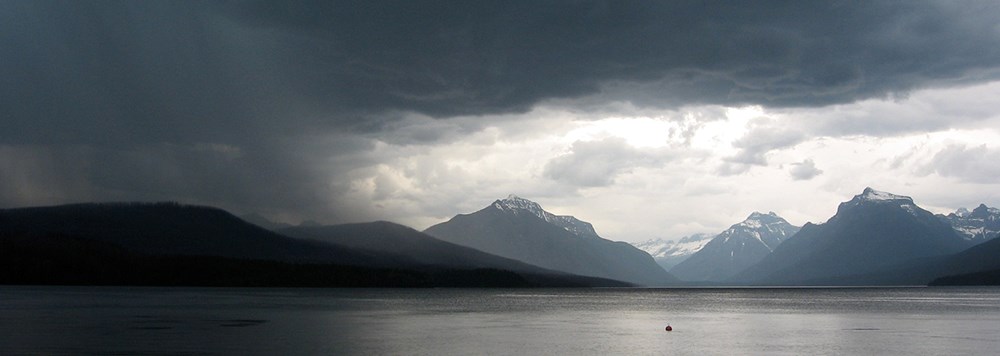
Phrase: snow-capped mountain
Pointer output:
(870, 234)
(735, 249)
(874, 197)
(668, 253)
(515, 205)
(979, 225)
(520, 229)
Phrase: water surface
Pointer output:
(154, 321)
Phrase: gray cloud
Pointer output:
(444, 58)
(732, 168)
(764, 136)
(931, 110)
(271, 105)
(598, 163)
(804, 170)
(976, 164)
(108, 72)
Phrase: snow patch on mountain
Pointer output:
(737, 248)
(516, 205)
(668, 253)
(769, 229)
(871, 196)
(674, 248)
(979, 225)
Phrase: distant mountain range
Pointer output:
(173, 244)
(520, 229)
(875, 238)
(979, 225)
(739, 247)
(874, 231)
(668, 253)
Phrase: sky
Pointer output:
(647, 119)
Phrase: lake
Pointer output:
(208, 321)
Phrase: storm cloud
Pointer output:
(288, 108)
(113, 71)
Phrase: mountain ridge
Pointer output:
(175, 244)
(518, 229)
(869, 233)
(668, 253)
(740, 246)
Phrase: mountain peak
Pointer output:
(515, 204)
(980, 224)
(871, 197)
(982, 211)
(736, 248)
(879, 196)
(758, 219)
(759, 215)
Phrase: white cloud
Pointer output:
(673, 173)
(598, 163)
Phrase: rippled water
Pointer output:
(89, 320)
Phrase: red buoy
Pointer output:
(669, 328)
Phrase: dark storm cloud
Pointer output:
(110, 72)
(448, 58)
(257, 104)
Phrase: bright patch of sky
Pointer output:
(642, 177)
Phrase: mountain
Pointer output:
(872, 233)
(173, 244)
(578, 227)
(395, 239)
(263, 222)
(668, 253)
(384, 237)
(732, 251)
(977, 265)
(174, 229)
(979, 259)
(979, 225)
(520, 229)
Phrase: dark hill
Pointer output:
(63, 260)
(390, 238)
(174, 229)
(172, 244)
